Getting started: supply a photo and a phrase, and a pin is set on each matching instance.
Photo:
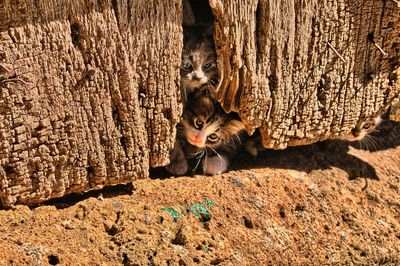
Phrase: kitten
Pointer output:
(199, 66)
(363, 128)
(366, 134)
(207, 136)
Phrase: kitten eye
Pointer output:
(198, 123)
(187, 66)
(213, 137)
(208, 65)
(366, 126)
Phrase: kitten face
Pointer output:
(206, 125)
(362, 129)
(199, 65)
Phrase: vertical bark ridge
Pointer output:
(153, 38)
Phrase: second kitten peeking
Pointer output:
(362, 129)
(199, 60)
(365, 135)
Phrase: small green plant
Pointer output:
(199, 210)
(175, 215)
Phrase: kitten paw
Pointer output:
(251, 148)
(177, 167)
(254, 146)
(178, 164)
(215, 165)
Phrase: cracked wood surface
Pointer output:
(304, 71)
(153, 38)
(77, 122)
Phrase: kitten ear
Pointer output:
(208, 31)
(235, 126)
(188, 15)
(188, 33)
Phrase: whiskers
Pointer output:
(219, 156)
(187, 85)
(231, 142)
(369, 143)
(213, 81)
(237, 138)
(185, 89)
(199, 155)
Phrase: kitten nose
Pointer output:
(198, 75)
(355, 132)
(198, 140)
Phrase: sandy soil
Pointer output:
(322, 204)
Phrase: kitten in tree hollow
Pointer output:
(207, 137)
(199, 60)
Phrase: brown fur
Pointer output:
(199, 66)
(215, 140)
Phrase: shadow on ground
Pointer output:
(327, 154)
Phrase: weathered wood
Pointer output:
(152, 34)
(304, 71)
(96, 99)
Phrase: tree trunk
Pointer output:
(89, 88)
(88, 94)
(305, 71)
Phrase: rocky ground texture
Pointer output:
(322, 204)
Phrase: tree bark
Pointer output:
(305, 71)
(152, 34)
(89, 89)
(88, 94)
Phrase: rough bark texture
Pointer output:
(70, 80)
(281, 72)
(89, 88)
(152, 34)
